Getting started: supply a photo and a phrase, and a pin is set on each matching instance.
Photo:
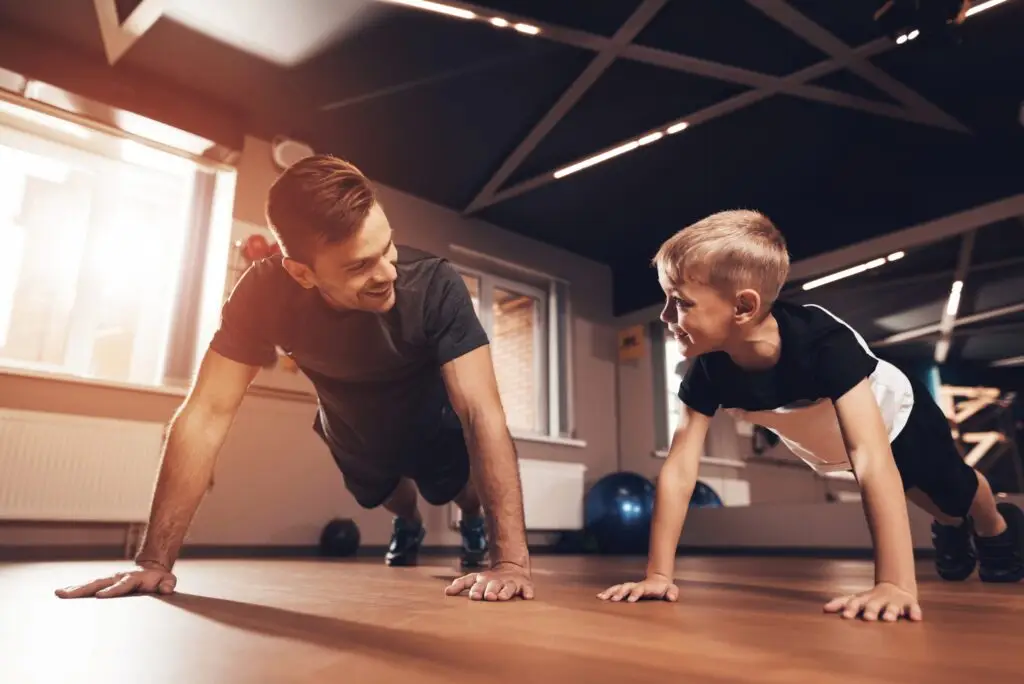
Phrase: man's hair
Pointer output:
(730, 250)
(319, 200)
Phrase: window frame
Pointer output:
(96, 138)
(552, 370)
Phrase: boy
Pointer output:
(806, 375)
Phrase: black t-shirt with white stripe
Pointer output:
(821, 359)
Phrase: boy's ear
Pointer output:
(748, 302)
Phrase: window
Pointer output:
(675, 368)
(526, 325)
(104, 239)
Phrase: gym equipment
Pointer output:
(617, 513)
(340, 538)
(705, 497)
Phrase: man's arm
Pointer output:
(473, 390)
(885, 506)
(194, 438)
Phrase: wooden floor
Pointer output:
(738, 620)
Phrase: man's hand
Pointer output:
(885, 600)
(652, 587)
(503, 582)
(146, 578)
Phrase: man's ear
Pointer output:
(300, 272)
(748, 303)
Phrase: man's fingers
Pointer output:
(460, 584)
(167, 586)
(125, 585)
(637, 593)
(87, 589)
(673, 593)
(915, 612)
(508, 591)
(492, 588)
(527, 590)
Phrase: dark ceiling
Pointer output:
(803, 109)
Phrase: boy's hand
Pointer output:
(653, 587)
(885, 600)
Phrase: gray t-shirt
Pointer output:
(377, 376)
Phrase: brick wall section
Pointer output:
(512, 346)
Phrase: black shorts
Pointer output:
(438, 464)
(928, 459)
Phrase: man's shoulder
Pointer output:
(423, 270)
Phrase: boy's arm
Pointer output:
(672, 499)
(885, 506)
(674, 489)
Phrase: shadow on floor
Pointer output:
(487, 656)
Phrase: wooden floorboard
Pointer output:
(301, 621)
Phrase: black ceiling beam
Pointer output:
(119, 35)
(629, 30)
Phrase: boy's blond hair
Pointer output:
(730, 250)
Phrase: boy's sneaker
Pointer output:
(474, 542)
(955, 558)
(1002, 557)
(405, 543)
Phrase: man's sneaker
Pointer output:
(405, 543)
(474, 542)
(955, 558)
(1001, 558)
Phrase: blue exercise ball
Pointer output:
(704, 497)
(618, 511)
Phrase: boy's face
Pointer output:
(700, 317)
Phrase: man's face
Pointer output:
(699, 317)
(358, 273)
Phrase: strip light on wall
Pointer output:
(460, 13)
(852, 271)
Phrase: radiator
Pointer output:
(65, 468)
(552, 494)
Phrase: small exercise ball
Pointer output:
(340, 538)
(617, 512)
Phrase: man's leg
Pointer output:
(408, 531)
(472, 527)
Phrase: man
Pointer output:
(403, 373)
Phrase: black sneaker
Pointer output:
(955, 558)
(405, 543)
(1002, 557)
(474, 542)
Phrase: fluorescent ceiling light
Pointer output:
(982, 6)
(1013, 361)
(852, 270)
(527, 28)
(597, 158)
(500, 22)
(675, 128)
(435, 7)
(953, 305)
